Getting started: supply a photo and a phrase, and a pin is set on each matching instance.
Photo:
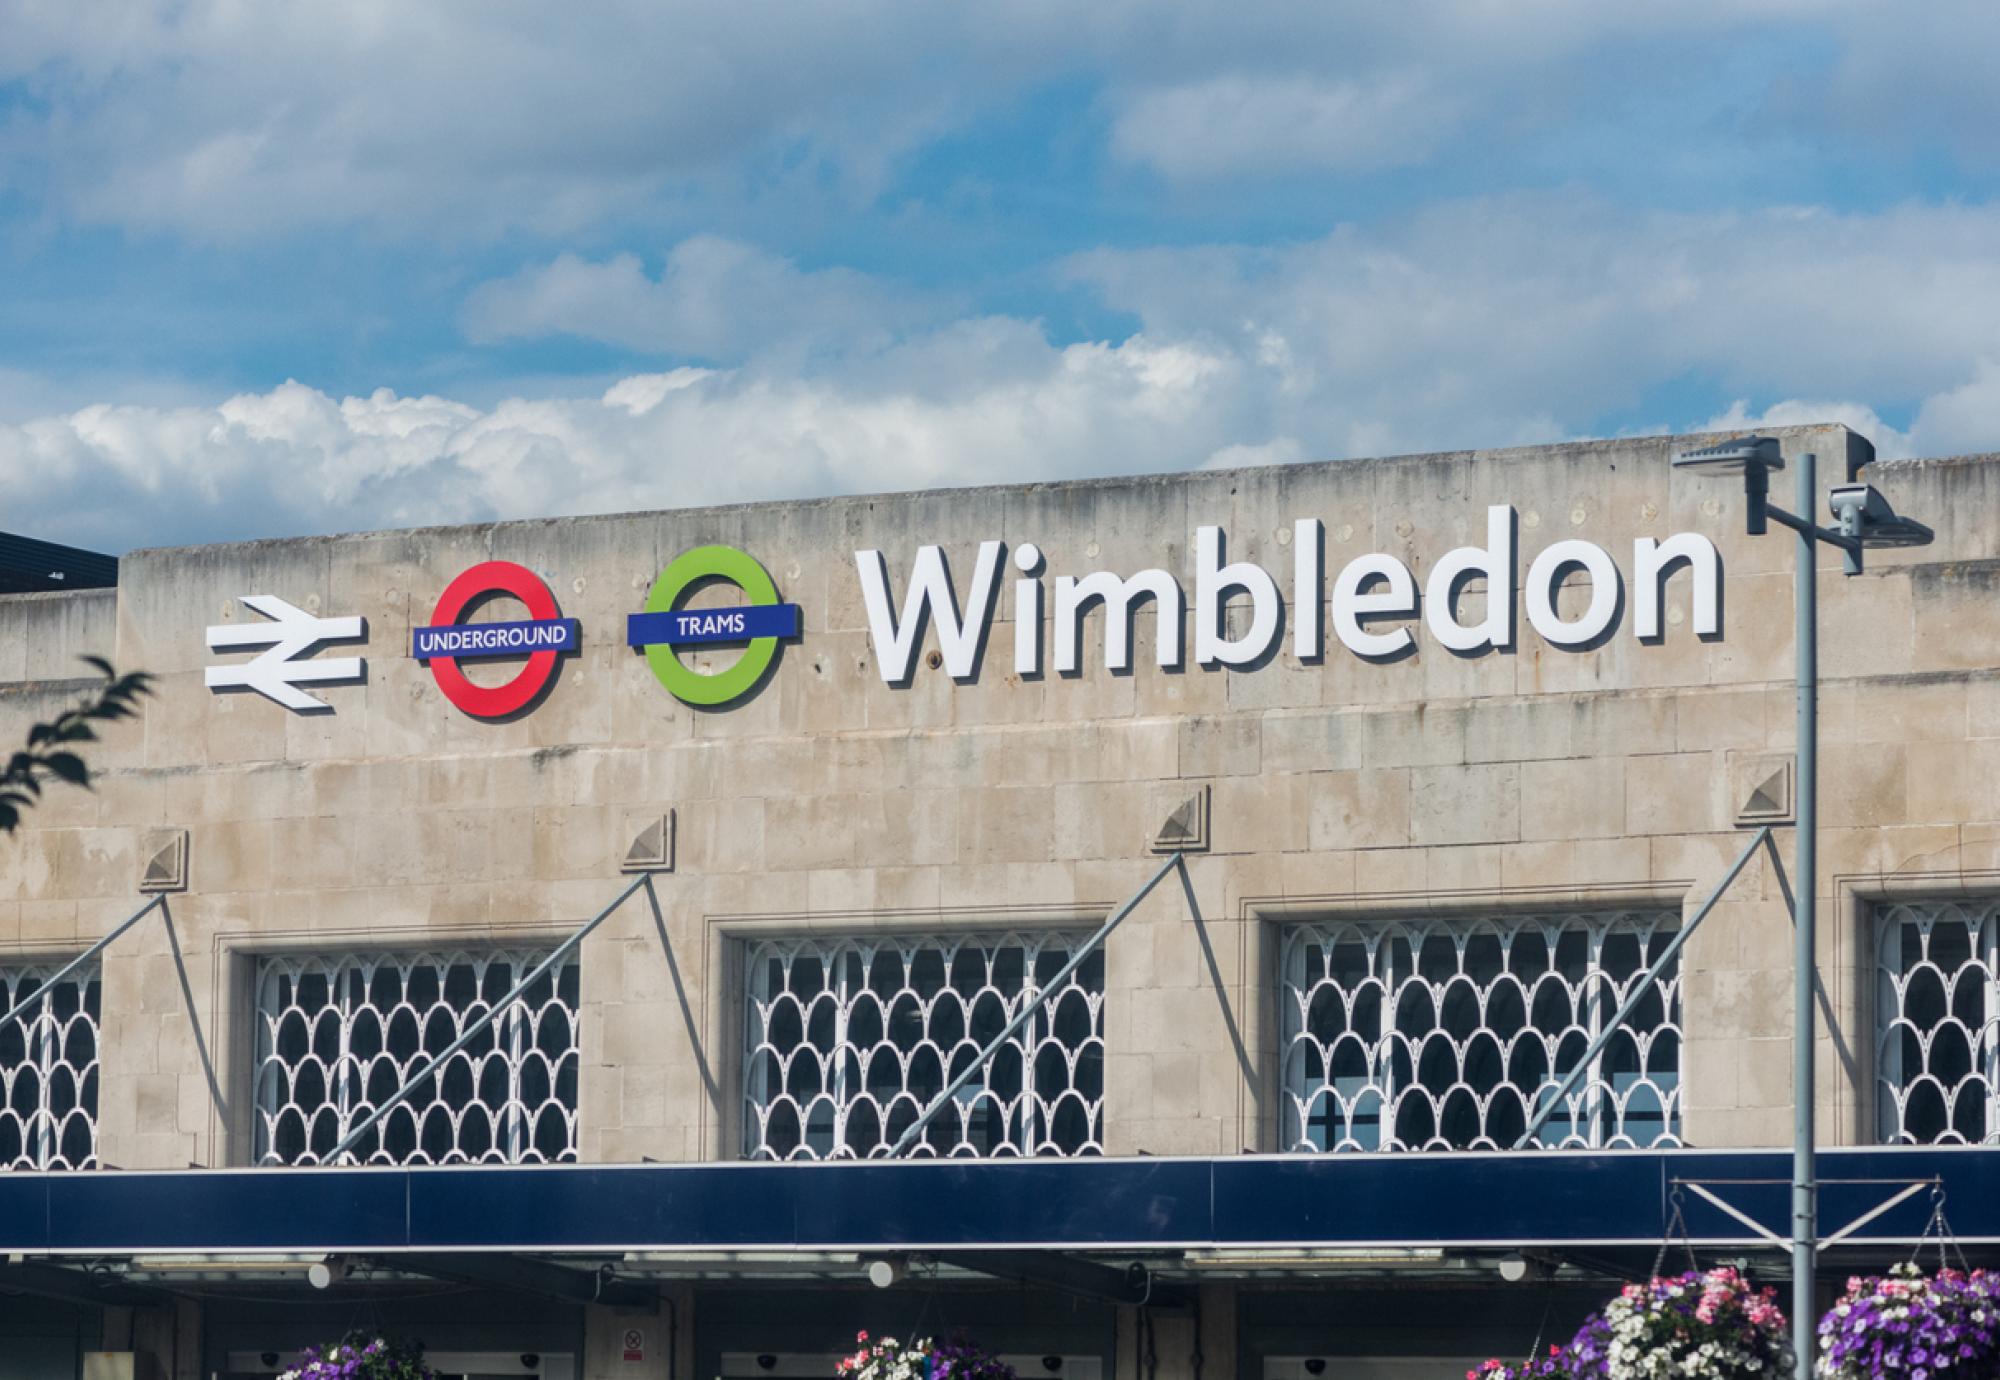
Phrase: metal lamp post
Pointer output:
(1865, 519)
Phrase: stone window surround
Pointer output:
(1857, 901)
(230, 1020)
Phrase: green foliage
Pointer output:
(50, 754)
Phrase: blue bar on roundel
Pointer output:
(494, 639)
(712, 625)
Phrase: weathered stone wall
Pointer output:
(829, 800)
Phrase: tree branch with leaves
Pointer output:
(51, 751)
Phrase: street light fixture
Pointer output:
(1866, 520)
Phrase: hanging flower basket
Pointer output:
(360, 1357)
(1696, 1326)
(1942, 1327)
(885, 1358)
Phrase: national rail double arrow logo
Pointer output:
(291, 635)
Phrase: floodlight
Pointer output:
(1513, 1267)
(1867, 517)
(324, 1274)
(1734, 457)
(885, 1273)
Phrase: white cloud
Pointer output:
(715, 299)
(1890, 444)
(1478, 322)
(1253, 126)
(296, 460)
(1484, 323)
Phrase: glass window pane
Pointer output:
(1937, 1047)
(338, 1034)
(908, 1013)
(48, 1064)
(1447, 1033)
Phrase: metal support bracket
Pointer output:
(1907, 1189)
(1715, 1200)
(1049, 990)
(1639, 990)
(433, 1066)
(42, 993)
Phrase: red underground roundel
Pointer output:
(541, 637)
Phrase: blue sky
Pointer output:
(277, 269)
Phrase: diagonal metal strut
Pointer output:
(1639, 990)
(1907, 1189)
(435, 1065)
(42, 993)
(1050, 989)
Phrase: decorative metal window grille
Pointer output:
(1937, 1006)
(48, 1069)
(850, 1039)
(339, 1034)
(1449, 1034)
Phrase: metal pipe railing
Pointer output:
(435, 1065)
(1050, 989)
(1639, 991)
(42, 993)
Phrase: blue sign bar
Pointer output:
(740, 624)
(1473, 1199)
(494, 639)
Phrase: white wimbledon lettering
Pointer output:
(1238, 609)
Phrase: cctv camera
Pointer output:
(1856, 505)
(1866, 516)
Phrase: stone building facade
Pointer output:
(1416, 879)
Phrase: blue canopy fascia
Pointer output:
(1463, 1200)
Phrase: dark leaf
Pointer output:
(67, 766)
